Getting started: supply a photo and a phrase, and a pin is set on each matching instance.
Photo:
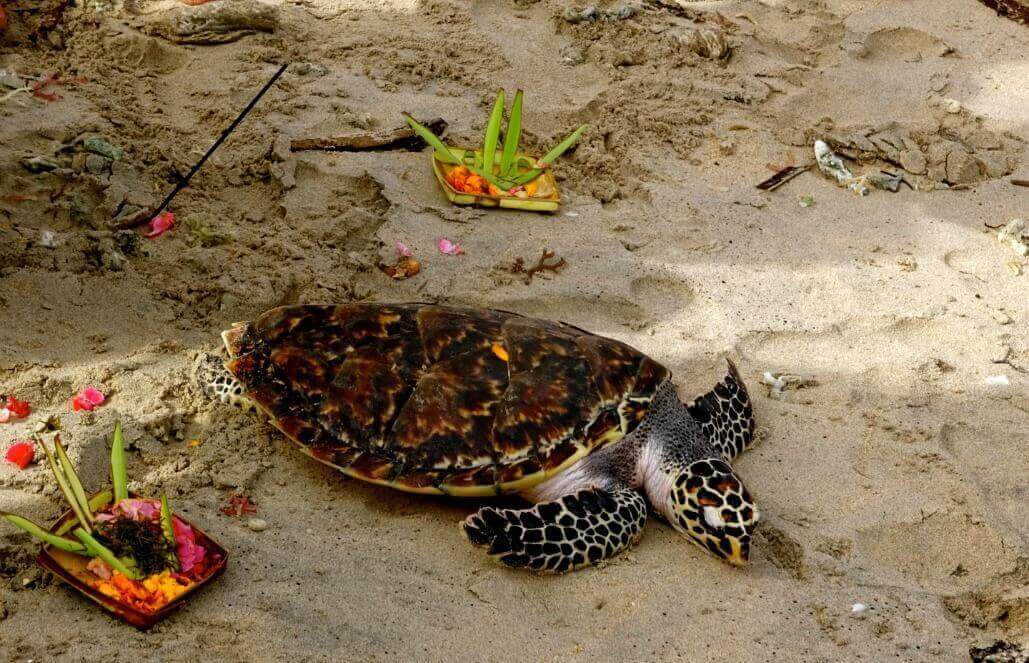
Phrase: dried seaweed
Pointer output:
(541, 266)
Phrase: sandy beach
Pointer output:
(892, 470)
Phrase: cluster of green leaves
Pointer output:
(85, 509)
(511, 171)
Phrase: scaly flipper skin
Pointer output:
(564, 535)
(725, 415)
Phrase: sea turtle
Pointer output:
(470, 402)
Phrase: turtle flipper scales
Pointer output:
(566, 534)
(725, 415)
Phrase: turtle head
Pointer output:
(709, 504)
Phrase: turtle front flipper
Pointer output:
(725, 415)
(569, 533)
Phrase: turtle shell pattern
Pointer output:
(438, 399)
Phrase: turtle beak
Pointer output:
(740, 554)
(230, 337)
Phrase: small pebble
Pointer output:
(858, 610)
(997, 381)
(952, 106)
(257, 524)
(48, 239)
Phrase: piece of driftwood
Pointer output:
(401, 138)
(782, 177)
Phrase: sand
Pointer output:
(896, 478)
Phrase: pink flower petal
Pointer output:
(450, 248)
(189, 552)
(403, 250)
(93, 395)
(161, 223)
(87, 399)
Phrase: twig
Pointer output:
(184, 182)
(401, 138)
(541, 266)
(1020, 182)
(782, 177)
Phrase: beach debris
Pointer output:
(12, 409)
(780, 383)
(1020, 182)
(887, 181)
(996, 381)
(400, 138)
(782, 176)
(257, 524)
(239, 505)
(405, 267)
(206, 235)
(1013, 235)
(39, 164)
(709, 43)
(833, 166)
(858, 610)
(88, 398)
(184, 182)
(21, 454)
(546, 263)
(450, 248)
(215, 23)
(807, 200)
(98, 145)
(592, 14)
(160, 224)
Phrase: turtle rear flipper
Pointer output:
(725, 415)
(569, 533)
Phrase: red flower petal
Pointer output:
(18, 409)
(21, 454)
(161, 223)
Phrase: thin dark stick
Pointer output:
(184, 181)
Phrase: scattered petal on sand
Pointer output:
(21, 454)
(11, 408)
(87, 399)
(160, 224)
(403, 251)
(450, 248)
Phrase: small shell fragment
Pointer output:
(710, 44)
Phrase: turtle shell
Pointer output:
(438, 399)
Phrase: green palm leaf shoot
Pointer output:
(119, 473)
(512, 137)
(46, 537)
